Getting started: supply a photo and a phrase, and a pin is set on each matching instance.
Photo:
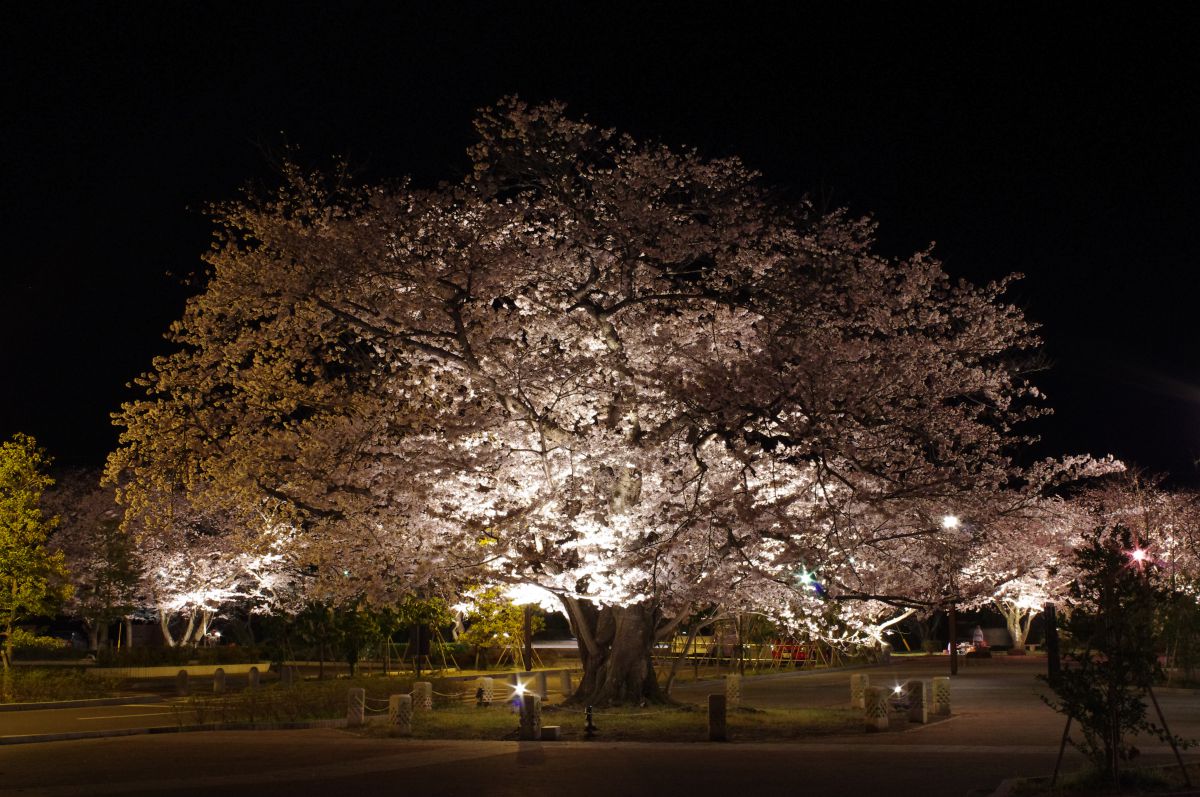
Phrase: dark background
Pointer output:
(1063, 147)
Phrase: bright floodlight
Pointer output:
(1138, 555)
(951, 522)
(519, 689)
(898, 689)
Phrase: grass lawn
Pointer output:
(669, 723)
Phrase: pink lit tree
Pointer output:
(613, 374)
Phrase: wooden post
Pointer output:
(252, 678)
(527, 642)
(1053, 663)
(181, 683)
(953, 622)
(219, 681)
(717, 727)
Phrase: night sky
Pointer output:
(1061, 147)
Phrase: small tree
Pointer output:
(1112, 663)
(32, 580)
(494, 621)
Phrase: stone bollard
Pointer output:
(489, 690)
(252, 679)
(717, 727)
(219, 681)
(858, 685)
(287, 675)
(876, 708)
(941, 696)
(539, 684)
(422, 695)
(531, 718)
(400, 714)
(356, 706)
(918, 701)
(733, 690)
(564, 684)
(181, 683)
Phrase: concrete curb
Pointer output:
(35, 738)
(83, 703)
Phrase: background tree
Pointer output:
(101, 557)
(610, 370)
(32, 579)
(494, 621)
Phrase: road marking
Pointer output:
(123, 716)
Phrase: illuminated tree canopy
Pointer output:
(614, 373)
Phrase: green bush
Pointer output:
(29, 646)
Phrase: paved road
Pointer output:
(134, 714)
(326, 762)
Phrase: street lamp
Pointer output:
(951, 523)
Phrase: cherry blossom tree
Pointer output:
(613, 373)
(102, 559)
(197, 561)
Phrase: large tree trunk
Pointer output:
(1018, 621)
(615, 646)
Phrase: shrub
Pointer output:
(29, 646)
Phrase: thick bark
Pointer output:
(1018, 621)
(615, 646)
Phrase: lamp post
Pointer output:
(950, 523)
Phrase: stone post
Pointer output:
(489, 690)
(181, 683)
(717, 727)
(400, 714)
(287, 674)
(252, 679)
(733, 690)
(918, 701)
(219, 681)
(356, 704)
(422, 695)
(941, 696)
(858, 685)
(564, 684)
(539, 682)
(531, 718)
(876, 708)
